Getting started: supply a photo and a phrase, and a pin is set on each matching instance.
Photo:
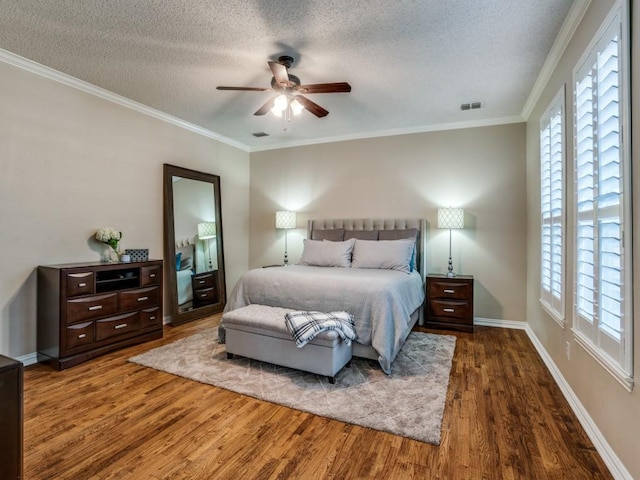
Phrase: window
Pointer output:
(602, 315)
(552, 208)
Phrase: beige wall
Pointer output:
(479, 169)
(71, 163)
(615, 411)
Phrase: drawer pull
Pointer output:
(448, 290)
(203, 295)
(142, 299)
(95, 307)
(122, 325)
(152, 318)
(201, 282)
(153, 275)
(82, 335)
(83, 284)
(449, 310)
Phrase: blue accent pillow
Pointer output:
(178, 260)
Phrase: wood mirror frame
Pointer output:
(185, 313)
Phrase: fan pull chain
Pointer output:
(286, 118)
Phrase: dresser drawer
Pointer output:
(205, 294)
(150, 276)
(150, 317)
(120, 325)
(451, 309)
(449, 289)
(79, 335)
(86, 308)
(203, 280)
(139, 299)
(79, 283)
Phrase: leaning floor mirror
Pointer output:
(194, 255)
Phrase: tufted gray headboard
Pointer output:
(375, 224)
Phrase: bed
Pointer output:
(383, 293)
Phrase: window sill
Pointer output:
(557, 316)
(620, 375)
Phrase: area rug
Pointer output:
(409, 402)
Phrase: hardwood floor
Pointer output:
(110, 419)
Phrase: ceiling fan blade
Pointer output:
(245, 89)
(325, 88)
(266, 107)
(280, 74)
(313, 107)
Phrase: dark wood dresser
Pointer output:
(87, 309)
(205, 288)
(449, 302)
(11, 418)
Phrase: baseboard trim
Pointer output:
(615, 466)
(28, 359)
(492, 322)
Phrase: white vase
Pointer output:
(111, 255)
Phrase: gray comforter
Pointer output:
(381, 301)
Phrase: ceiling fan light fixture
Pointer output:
(281, 102)
(296, 106)
(286, 85)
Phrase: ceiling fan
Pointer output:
(290, 89)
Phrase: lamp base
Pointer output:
(450, 272)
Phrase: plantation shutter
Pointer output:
(552, 208)
(600, 311)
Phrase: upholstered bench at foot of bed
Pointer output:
(259, 332)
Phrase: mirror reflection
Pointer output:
(193, 243)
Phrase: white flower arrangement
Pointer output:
(109, 236)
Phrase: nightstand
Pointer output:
(449, 303)
(205, 288)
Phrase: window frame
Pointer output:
(553, 305)
(595, 340)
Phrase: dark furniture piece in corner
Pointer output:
(205, 290)
(449, 302)
(87, 309)
(11, 418)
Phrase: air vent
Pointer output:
(260, 134)
(471, 106)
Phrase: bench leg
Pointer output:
(332, 380)
(229, 356)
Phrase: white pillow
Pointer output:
(383, 254)
(319, 253)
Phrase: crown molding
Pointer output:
(55, 75)
(392, 132)
(569, 26)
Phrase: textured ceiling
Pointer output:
(410, 63)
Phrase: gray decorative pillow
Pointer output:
(398, 234)
(319, 253)
(383, 254)
(333, 235)
(361, 234)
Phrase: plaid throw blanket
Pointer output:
(304, 326)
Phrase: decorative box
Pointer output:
(138, 254)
